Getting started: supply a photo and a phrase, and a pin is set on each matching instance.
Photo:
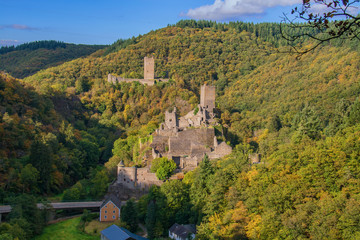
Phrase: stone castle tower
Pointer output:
(149, 65)
(207, 97)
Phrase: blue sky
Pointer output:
(105, 21)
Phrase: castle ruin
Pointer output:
(149, 75)
(186, 140)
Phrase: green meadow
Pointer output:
(65, 230)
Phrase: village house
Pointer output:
(110, 209)
(118, 233)
(182, 232)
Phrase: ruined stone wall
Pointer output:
(199, 150)
(180, 145)
(127, 176)
(145, 178)
(204, 136)
(220, 151)
(149, 66)
(114, 79)
(171, 120)
(160, 144)
(207, 97)
(132, 181)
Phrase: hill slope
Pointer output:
(26, 59)
(303, 116)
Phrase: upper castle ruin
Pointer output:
(149, 75)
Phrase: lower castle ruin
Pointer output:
(186, 140)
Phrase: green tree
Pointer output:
(163, 167)
(199, 190)
(41, 159)
(26, 214)
(129, 215)
(91, 151)
(354, 114)
(308, 123)
(150, 220)
(274, 124)
(99, 184)
(29, 177)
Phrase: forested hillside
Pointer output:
(28, 58)
(302, 115)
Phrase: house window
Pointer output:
(114, 211)
(105, 217)
(113, 216)
(106, 206)
(105, 211)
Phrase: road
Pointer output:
(59, 205)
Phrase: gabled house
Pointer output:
(110, 209)
(118, 233)
(182, 232)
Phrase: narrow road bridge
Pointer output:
(4, 209)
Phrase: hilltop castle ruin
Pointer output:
(186, 140)
(149, 75)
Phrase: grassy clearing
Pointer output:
(95, 227)
(65, 230)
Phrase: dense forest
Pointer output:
(28, 58)
(302, 115)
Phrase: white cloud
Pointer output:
(321, 9)
(226, 9)
(7, 42)
(18, 27)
